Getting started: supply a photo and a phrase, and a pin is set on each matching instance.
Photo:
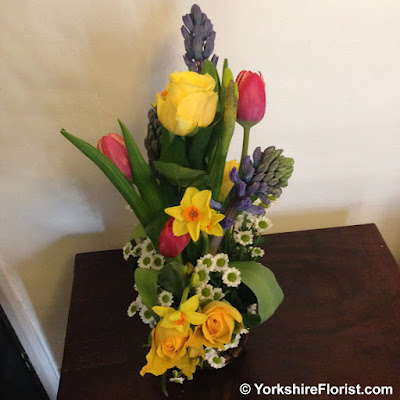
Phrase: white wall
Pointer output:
(333, 91)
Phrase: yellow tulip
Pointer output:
(227, 184)
(189, 101)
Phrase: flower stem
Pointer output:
(185, 295)
(164, 384)
(206, 244)
(246, 135)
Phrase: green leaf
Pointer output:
(198, 147)
(142, 174)
(138, 233)
(177, 175)
(146, 283)
(209, 68)
(175, 152)
(155, 226)
(262, 282)
(117, 178)
(172, 278)
(251, 320)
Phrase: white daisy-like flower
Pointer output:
(137, 250)
(132, 309)
(158, 262)
(218, 294)
(252, 309)
(165, 298)
(180, 380)
(203, 273)
(205, 292)
(127, 250)
(233, 343)
(244, 331)
(257, 252)
(139, 301)
(147, 246)
(220, 261)
(146, 260)
(263, 224)
(244, 238)
(146, 316)
(250, 219)
(129, 208)
(231, 277)
(135, 287)
(205, 261)
(217, 362)
(153, 324)
(211, 353)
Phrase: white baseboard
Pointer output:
(19, 311)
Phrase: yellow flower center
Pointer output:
(181, 321)
(191, 214)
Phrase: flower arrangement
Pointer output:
(196, 249)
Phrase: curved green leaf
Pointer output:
(262, 282)
(172, 278)
(146, 283)
(118, 179)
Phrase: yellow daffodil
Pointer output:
(214, 228)
(182, 318)
(227, 184)
(194, 214)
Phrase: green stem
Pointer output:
(185, 295)
(245, 149)
(164, 384)
(205, 244)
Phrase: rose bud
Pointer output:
(170, 245)
(252, 101)
(113, 147)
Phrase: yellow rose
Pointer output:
(217, 330)
(189, 101)
(168, 350)
(227, 184)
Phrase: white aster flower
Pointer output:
(203, 273)
(165, 298)
(132, 309)
(252, 309)
(135, 287)
(147, 246)
(205, 292)
(180, 380)
(220, 261)
(153, 324)
(244, 238)
(243, 331)
(263, 224)
(127, 250)
(146, 316)
(233, 343)
(137, 250)
(211, 353)
(218, 294)
(205, 261)
(139, 301)
(217, 362)
(158, 262)
(146, 260)
(231, 277)
(257, 252)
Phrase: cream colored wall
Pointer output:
(333, 90)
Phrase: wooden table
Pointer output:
(339, 323)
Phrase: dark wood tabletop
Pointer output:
(339, 324)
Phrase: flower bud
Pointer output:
(170, 245)
(113, 147)
(252, 101)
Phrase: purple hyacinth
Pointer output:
(199, 39)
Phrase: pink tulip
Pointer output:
(113, 147)
(252, 101)
(170, 245)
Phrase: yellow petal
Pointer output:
(162, 311)
(202, 202)
(176, 212)
(196, 318)
(179, 228)
(190, 305)
(187, 197)
(194, 230)
(175, 316)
